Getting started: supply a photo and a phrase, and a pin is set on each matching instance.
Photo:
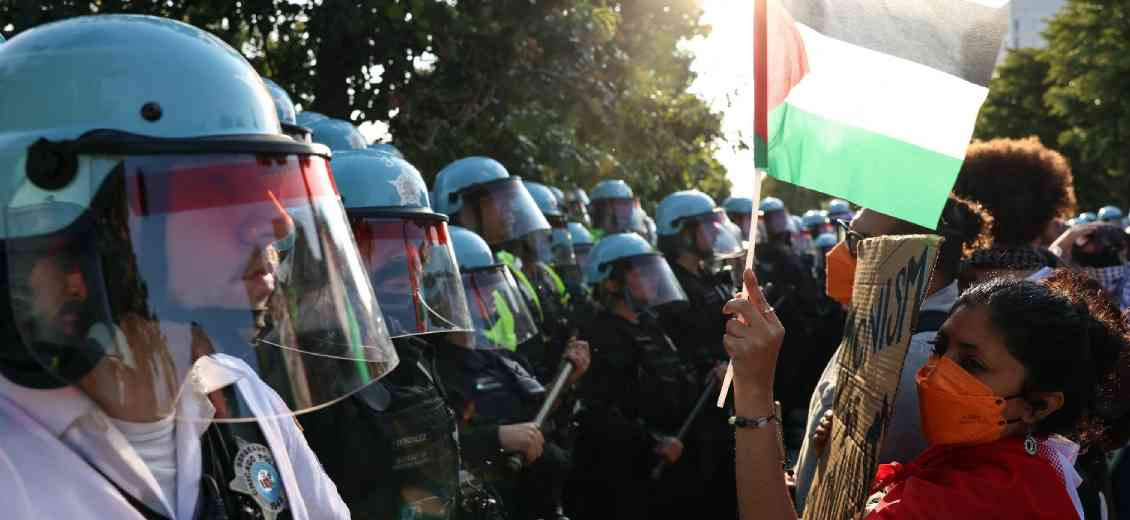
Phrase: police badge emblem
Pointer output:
(257, 477)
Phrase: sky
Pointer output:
(724, 65)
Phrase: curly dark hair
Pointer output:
(1071, 339)
(1023, 184)
(965, 227)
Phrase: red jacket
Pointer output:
(998, 480)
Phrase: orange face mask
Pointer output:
(840, 273)
(956, 407)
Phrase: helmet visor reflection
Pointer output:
(412, 268)
(501, 211)
(499, 314)
(202, 265)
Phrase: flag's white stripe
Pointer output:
(887, 95)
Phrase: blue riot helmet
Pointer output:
(613, 208)
(821, 247)
(168, 203)
(577, 206)
(689, 221)
(404, 245)
(639, 274)
(559, 195)
(840, 210)
(561, 244)
(284, 107)
(1086, 218)
(309, 117)
(778, 222)
(386, 148)
(582, 242)
(1110, 215)
(479, 194)
(337, 134)
(815, 222)
(500, 316)
(740, 211)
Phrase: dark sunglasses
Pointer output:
(850, 236)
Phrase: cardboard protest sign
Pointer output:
(890, 284)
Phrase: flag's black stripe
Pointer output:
(957, 37)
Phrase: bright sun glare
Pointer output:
(724, 64)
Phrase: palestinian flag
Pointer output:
(873, 101)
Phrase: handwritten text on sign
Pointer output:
(890, 283)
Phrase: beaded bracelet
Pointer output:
(755, 422)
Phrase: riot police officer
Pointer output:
(740, 211)
(337, 134)
(695, 236)
(480, 195)
(494, 391)
(639, 391)
(392, 447)
(613, 209)
(173, 298)
(840, 210)
(577, 206)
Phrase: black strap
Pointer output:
(140, 506)
(930, 321)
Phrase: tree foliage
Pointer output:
(1069, 95)
(563, 91)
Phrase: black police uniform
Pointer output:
(815, 325)
(638, 389)
(392, 447)
(488, 389)
(697, 331)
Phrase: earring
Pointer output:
(1030, 444)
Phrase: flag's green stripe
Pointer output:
(875, 171)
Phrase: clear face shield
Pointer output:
(743, 221)
(714, 236)
(777, 223)
(561, 243)
(576, 211)
(190, 268)
(649, 283)
(413, 271)
(616, 216)
(500, 316)
(501, 211)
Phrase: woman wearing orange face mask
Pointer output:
(1019, 368)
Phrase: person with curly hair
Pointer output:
(1024, 377)
(1027, 188)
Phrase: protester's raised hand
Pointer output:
(753, 339)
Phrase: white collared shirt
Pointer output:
(49, 440)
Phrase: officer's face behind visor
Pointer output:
(413, 271)
(500, 316)
(616, 215)
(500, 211)
(714, 235)
(648, 283)
(198, 262)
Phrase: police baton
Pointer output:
(711, 387)
(563, 373)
